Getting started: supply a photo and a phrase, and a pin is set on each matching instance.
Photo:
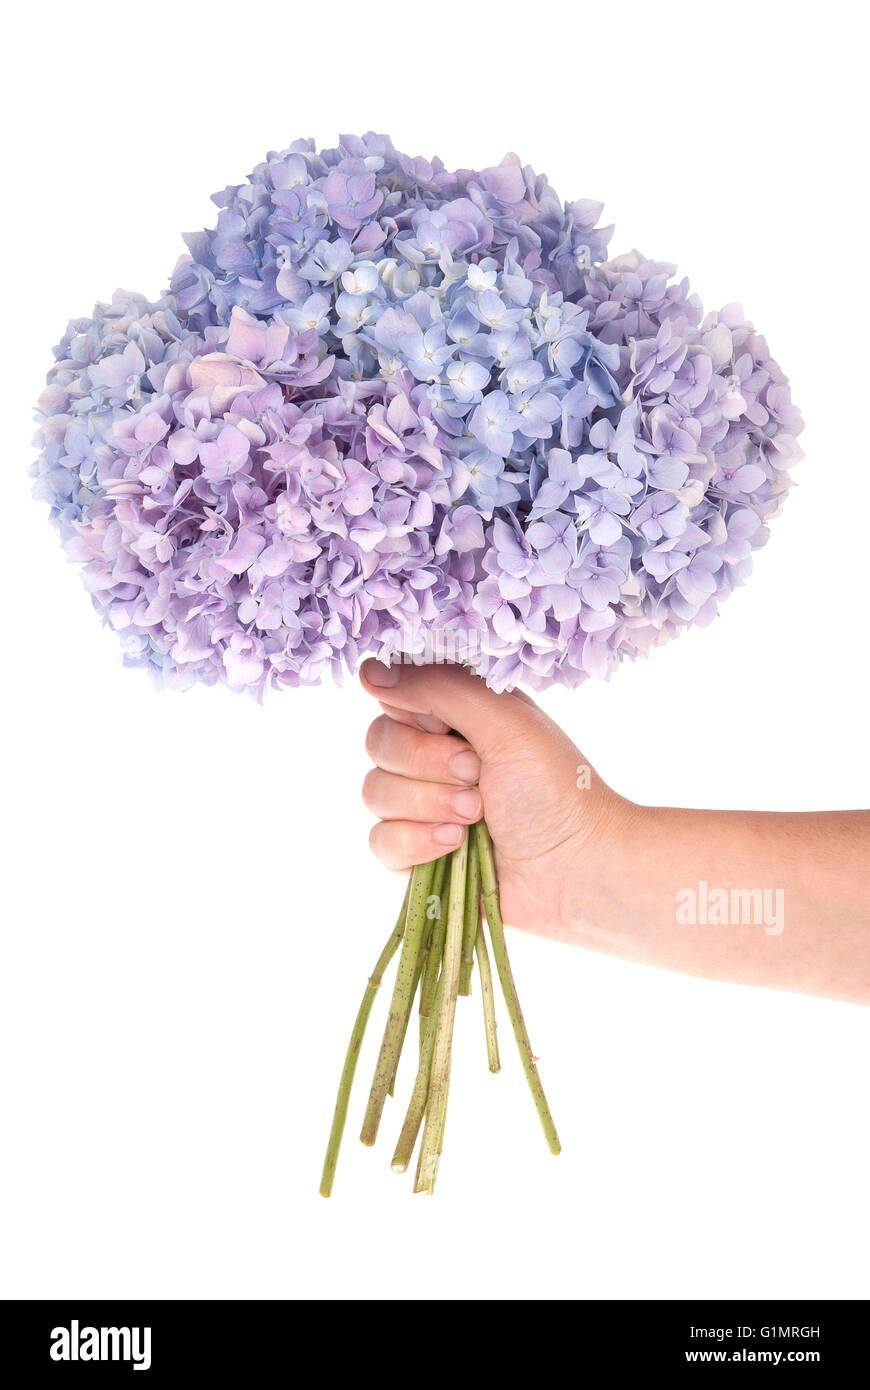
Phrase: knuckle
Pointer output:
(375, 736)
(426, 756)
(379, 845)
(369, 789)
(416, 794)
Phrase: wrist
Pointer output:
(600, 866)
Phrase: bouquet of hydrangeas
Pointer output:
(385, 408)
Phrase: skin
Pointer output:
(583, 865)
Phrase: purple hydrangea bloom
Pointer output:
(382, 402)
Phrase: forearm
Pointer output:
(781, 900)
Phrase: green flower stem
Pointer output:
(439, 1080)
(436, 948)
(418, 971)
(472, 916)
(443, 1117)
(401, 1002)
(505, 975)
(352, 1056)
(442, 865)
(440, 878)
(417, 1106)
(489, 1022)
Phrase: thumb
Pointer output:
(493, 724)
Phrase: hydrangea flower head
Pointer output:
(380, 403)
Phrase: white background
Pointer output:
(192, 908)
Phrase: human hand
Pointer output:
(545, 807)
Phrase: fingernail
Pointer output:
(378, 674)
(447, 834)
(465, 766)
(429, 724)
(467, 804)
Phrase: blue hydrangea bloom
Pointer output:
(382, 404)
